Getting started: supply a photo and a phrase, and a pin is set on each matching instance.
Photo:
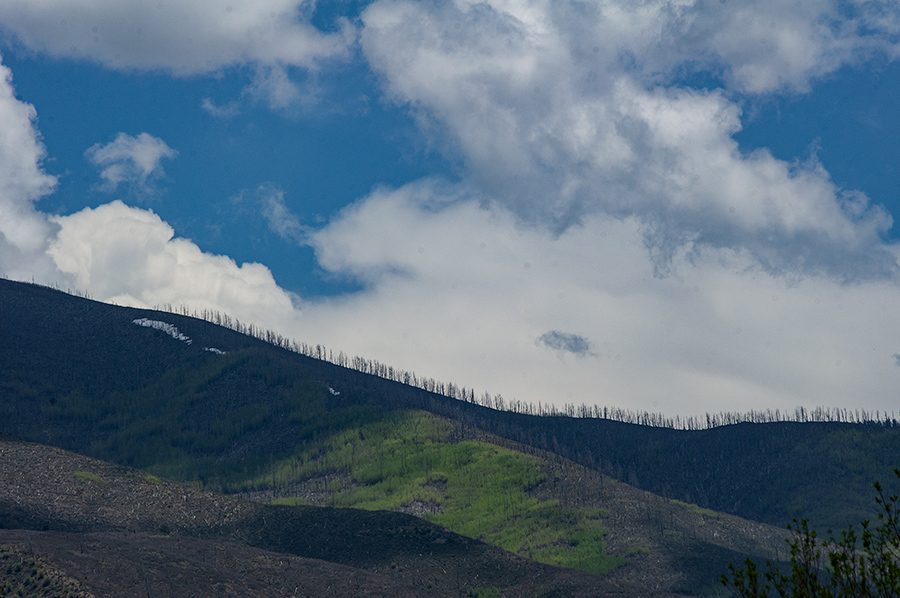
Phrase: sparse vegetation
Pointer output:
(636, 551)
(696, 509)
(23, 575)
(87, 476)
(143, 475)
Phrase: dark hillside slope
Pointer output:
(81, 375)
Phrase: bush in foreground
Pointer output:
(858, 564)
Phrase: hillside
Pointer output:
(196, 402)
(82, 375)
(529, 502)
(108, 530)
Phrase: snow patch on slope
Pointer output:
(172, 331)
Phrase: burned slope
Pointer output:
(116, 564)
(117, 509)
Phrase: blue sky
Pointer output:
(669, 206)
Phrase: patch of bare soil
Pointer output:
(420, 508)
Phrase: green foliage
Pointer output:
(696, 509)
(473, 488)
(860, 565)
(143, 475)
(484, 593)
(87, 476)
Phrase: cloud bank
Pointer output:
(559, 110)
(464, 291)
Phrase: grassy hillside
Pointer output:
(525, 501)
(769, 472)
(407, 462)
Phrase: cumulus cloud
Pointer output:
(23, 230)
(136, 161)
(184, 37)
(559, 111)
(130, 256)
(116, 252)
(565, 342)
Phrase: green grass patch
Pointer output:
(290, 501)
(144, 476)
(478, 489)
(87, 476)
(696, 509)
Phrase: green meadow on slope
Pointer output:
(374, 458)
(471, 487)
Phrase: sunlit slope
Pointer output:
(525, 501)
(409, 462)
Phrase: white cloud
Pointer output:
(224, 112)
(278, 216)
(23, 230)
(273, 86)
(130, 256)
(115, 252)
(133, 160)
(467, 295)
(559, 111)
(184, 36)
